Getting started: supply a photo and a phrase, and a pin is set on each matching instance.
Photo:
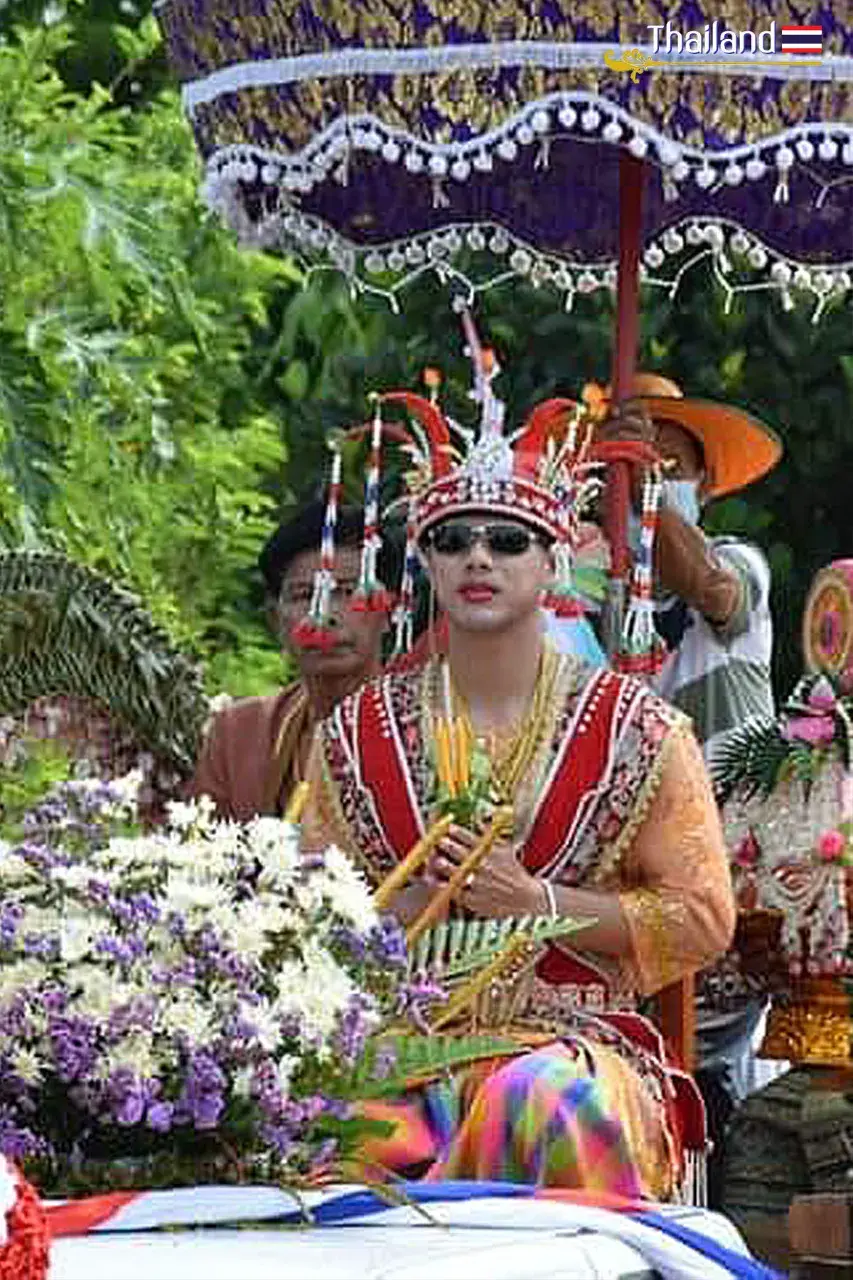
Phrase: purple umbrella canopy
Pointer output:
(481, 138)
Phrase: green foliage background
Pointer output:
(163, 394)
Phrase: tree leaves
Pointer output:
(130, 434)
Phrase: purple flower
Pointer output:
(145, 909)
(352, 942)
(183, 974)
(10, 918)
(14, 1018)
(129, 1096)
(137, 1013)
(130, 1110)
(201, 1101)
(123, 950)
(388, 943)
(324, 1155)
(45, 946)
(54, 999)
(415, 999)
(39, 855)
(160, 1116)
(17, 1141)
(74, 1042)
(280, 1138)
(352, 1030)
(384, 1062)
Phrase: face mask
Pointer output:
(635, 530)
(682, 497)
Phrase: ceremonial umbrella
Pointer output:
(579, 144)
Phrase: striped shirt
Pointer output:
(720, 676)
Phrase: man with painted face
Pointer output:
(256, 749)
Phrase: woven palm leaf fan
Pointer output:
(68, 632)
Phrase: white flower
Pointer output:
(75, 938)
(20, 975)
(28, 1065)
(38, 920)
(124, 852)
(100, 992)
(185, 1015)
(315, 990)
(242, 1086)
(276, 846)
(267, 1024)
(348, 891)
(226, 838)
(95, 999)
(126, 791)
(247, 926)
(285, 1068)
(13, 868)
(77, 876)
(133, 1053)
(186, 895)
(186, 815)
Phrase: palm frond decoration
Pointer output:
(750, 760)
(455, 949)
(419, 1057)
(65, 630)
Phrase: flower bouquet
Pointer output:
(192, 1001)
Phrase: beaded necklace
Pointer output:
(509, 751)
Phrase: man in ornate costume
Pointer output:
(255, 751)
(610, 819)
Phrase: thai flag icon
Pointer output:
(804, 40)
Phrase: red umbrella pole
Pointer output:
(618, 490)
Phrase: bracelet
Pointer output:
(551, 899)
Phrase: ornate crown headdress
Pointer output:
(545, 475)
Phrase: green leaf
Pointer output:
(455, 949)
(422, 1057)
(295, 380)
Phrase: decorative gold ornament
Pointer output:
(634, 61)
(813, 1028)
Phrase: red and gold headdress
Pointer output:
(539, 475)
(544, 475)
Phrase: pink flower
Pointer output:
(817, 730)
(748, 852)
(831, 844)
(822, 696)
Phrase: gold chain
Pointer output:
(508, 766)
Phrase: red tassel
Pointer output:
(374, 600)
(565, 606)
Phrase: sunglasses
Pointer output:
(501, 539)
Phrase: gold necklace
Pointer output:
(508, 765)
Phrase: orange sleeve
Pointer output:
(678, 900)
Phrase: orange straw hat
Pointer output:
(738, 449)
